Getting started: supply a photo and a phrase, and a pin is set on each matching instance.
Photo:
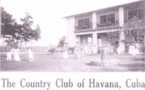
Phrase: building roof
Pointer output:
(105, 8)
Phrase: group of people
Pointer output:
(13, 55)
(133, 49)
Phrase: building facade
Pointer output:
(109, 29)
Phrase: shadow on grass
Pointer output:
(14, 65)
(134, 67)
(95, 63)
(139, 59)
(113, 70)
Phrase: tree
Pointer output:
(27, 33)
(16, 34)
(52, 50)
(61, 42)
(8, 27)
(135, 23)
(135, 27)
(6, 23)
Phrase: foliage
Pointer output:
(26, 31)
(61, 42)
(135, 27)
(134, 23)
(16, 34)
(52, 50)
(7, 23)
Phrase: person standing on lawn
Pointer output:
(31, 57)
(10, 55)
(76, 50)
(16, 54)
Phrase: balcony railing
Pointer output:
(99, 27)
(83, 30)
(107, 24)
(83, 27)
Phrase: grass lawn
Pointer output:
(85, 63)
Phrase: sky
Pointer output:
(49, 14)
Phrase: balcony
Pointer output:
(82, 29)
(99, 27)
(108, 26)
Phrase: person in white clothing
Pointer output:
(137, 48)
(132, 50)
(65, 54)
(9, 55)
(16, 54)
(76, 52)
(31, 57)
(119, 50)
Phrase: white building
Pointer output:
(108, 28)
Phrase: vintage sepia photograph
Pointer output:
(72, 36)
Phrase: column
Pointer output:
(77, 39)
(85, 43)
(94, 20)
(71, 35)
(144, 38)
(95, 43)
(121, 16)
(121, 48)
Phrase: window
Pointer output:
(111, 18)
(132, 14)
(103, 19)
(84, 23)
(107, 19)
(139, 13)
(80, 24)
